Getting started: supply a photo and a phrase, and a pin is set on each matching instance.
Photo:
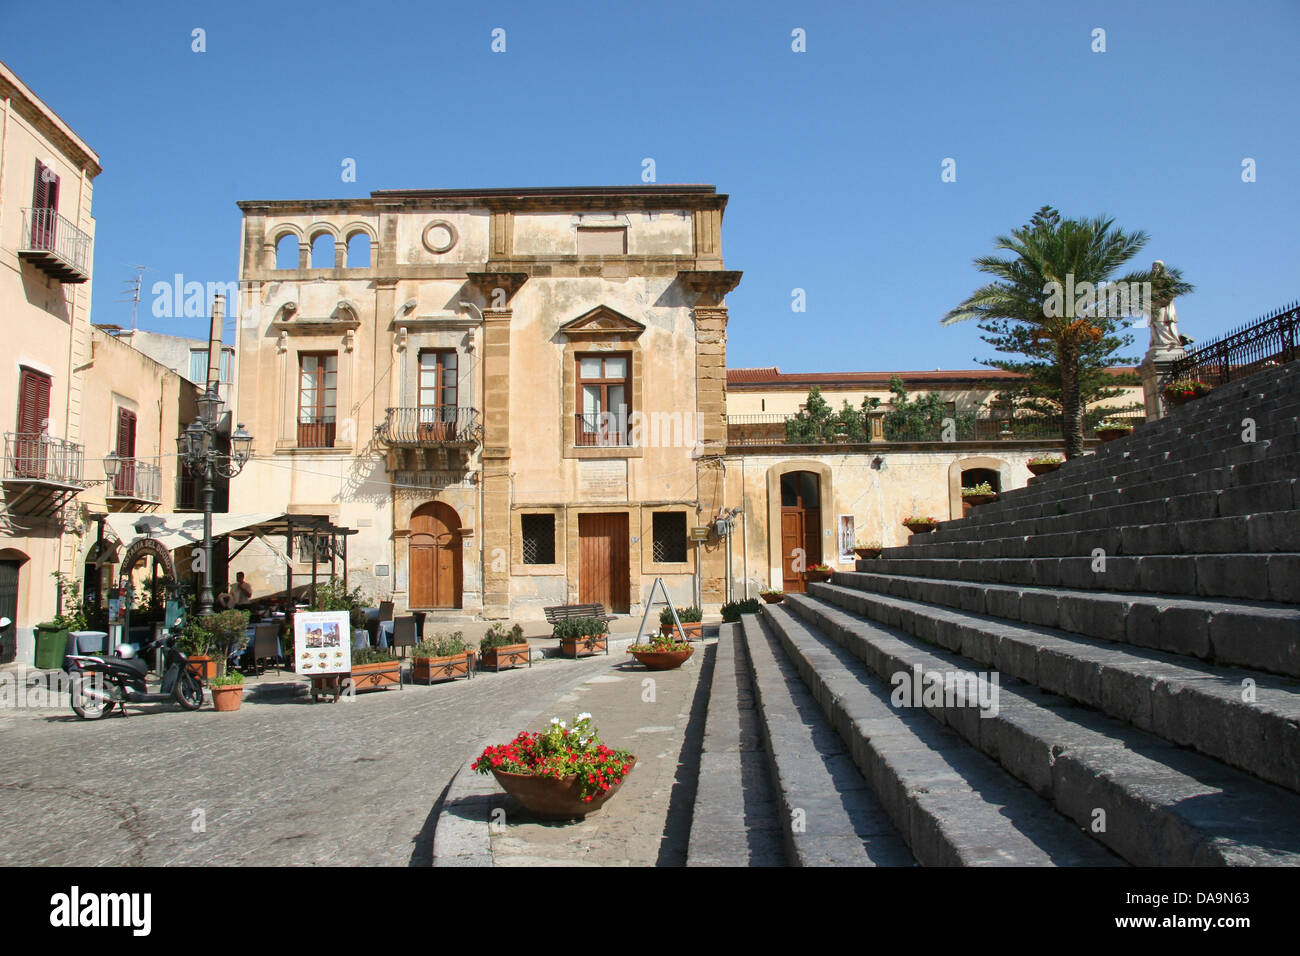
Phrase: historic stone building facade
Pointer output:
(517, 397)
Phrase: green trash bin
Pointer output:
(51, 645)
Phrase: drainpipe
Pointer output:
(482, 548)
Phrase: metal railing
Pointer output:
(46, 232)
(444, 424)
(33, 456)
(776, 429)
(317, 434)
(600, 430)
(1269, 341)
(139, 480)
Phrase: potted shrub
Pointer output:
(193, 641)
(372, 667)
(692, 619)
(583, 635)
(562, 773)
(980, 494)
(772, 595)
(919, 525)
(732, 610)
(1111, 428)
(1044, 464)
(504, 648)
(871, 549)
(661, 652)
(442, 657)
(1184, 390)
(818, 572)
(227, 690)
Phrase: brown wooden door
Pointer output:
(435, 557)
(801, 528)
(33, 423)
(603, 562)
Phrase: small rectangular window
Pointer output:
(602, 242)
(669, 528)
(538, 538)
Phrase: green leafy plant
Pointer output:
(499, 636)
(770, 591)
(370, 655)
(660, 643)
(913, 519)
(227, 633)
(1114, 424)
(193, 638)
(732, 610)
(332, 596)
(983, 488)
(687, 615)
(559, 752)
(1185, 388)
(233, 679)
(923, 418)
(819, 568)
(580, 627)
(1046, 460)
(442, 645)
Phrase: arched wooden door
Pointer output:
(801, 527)
(435, 550)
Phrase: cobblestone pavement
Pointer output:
(282, 781)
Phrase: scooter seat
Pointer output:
(128, 663)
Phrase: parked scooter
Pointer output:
(102, 682)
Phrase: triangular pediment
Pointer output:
(602, 320)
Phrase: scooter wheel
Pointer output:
(87, 707)
(189, 691)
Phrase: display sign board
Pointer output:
(322, 643)
(846, 539)
(700, 534)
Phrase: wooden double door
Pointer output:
(801, 528)
(436, 569)
(603, 560)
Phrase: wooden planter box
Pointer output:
(380, 674)
(430, 669)
(509, 655)
(694, 631)
(584, 646)
(202, 667)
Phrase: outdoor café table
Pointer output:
(385, 632)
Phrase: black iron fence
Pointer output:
(776, 429)
(1267, 342)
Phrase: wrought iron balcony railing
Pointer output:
(36, 457)
(316, 434)
(55, 246)
(137, 480)
(441, 425)
(601, 430)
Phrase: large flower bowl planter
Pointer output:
(202, 667)
(551, 799)
(773, 598)
(816, 577)
(1043, 468)
(868, 552)
(378, 675)
(974, 500)
(693, 631)
(917, 527)
(227, 698)
(1182, 398)
(584, 646)
(662, 660)
(1110, 434)
(430, 669)
(508, 655)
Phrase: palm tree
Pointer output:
(1052, 256)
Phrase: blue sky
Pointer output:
(831, 157)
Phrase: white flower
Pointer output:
(556, 720)
(563, 725)
(584, 716)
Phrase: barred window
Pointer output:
(539, 538)
(669, 537)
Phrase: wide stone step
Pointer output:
(829, 815)
(953, 806)
(1253, 634)
(1152, 803)
(1250, 577)
(736, 819)
(1246, 718)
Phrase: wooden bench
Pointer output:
(573, 612)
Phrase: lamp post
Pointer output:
(199, 453)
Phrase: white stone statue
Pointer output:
(1164, 321)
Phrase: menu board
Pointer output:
(321, 642)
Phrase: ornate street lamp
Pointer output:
(198, 453)
(112, 466)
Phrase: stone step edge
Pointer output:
(1068, 758)
(945, 818)
(1185, 705)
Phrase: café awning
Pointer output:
(180, 529)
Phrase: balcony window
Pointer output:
(437, 395)
(317, 399)
(124, 484)
(603, 399)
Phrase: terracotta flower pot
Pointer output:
(973, 500)
(868, 552)
(918, 527)
(773, 598)
(227, 698)
(202, 667)
(552, 799)
(1110, 434)
(1043, 468)
(817, 576)
(430, 669)
(662, 660)
(692, 631)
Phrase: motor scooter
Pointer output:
(101, 682)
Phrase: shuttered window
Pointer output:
(45, 205)
(33, 423)
(125, 482)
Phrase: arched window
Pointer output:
(286, 251)
(358, 255)
(322, 251)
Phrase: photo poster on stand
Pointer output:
(846, 540)
(322, 642)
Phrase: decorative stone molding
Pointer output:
(345, 317)
(488, 282)
(430, 242)
(711, 285)
(601, 323)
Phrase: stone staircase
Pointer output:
(1117, 650)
